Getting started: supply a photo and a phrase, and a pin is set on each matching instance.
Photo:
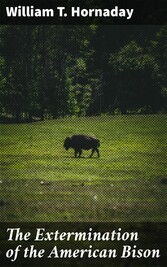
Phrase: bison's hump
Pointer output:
(83, 142)
(82, 137)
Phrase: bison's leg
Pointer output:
(75, 153)
(93, 150)
(97, 152)
(80, 152)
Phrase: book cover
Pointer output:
(83, 128)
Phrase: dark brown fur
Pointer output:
(79, 142)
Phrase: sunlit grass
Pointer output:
(133, 156)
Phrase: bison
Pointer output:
(79, 142)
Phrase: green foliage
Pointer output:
(159, 50)
(79, 70)
(134, 69)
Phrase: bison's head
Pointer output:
(67, 143)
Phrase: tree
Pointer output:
(80, 71)
(133, 79)
(158, 49)
(51, 71)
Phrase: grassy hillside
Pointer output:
(41, 181)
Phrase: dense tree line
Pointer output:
(59, 70)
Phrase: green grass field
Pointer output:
(40, 181)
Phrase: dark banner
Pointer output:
(83, 244)
(83, 12)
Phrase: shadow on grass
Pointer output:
(73, 157)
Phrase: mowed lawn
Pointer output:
(40, 181)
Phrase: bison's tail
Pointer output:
(98, 142)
